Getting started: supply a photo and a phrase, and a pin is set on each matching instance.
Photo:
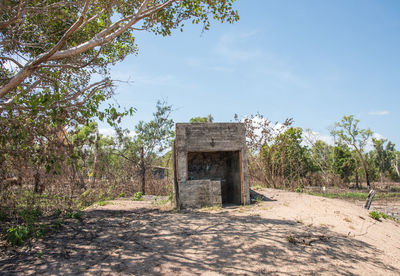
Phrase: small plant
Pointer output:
(383, 215)
(121, 194)
(375, 215)
(290, 239)
(39, 255)
(103, 203)
(137, 196)
(74, 215)
(16, 235)
(298, 190)
(259, 199)
(30, 216)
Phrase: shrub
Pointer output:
(74, 215)
(394, 189)
(137, 196)
(16, 235)
(375, 215)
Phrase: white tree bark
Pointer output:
(103, 37)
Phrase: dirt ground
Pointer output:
(287, 234)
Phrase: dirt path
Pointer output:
(137, 238)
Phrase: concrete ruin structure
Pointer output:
(210, 165)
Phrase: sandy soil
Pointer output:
(328, 236)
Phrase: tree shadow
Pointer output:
(149, 241)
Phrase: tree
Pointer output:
(395, 164)
(289, 156)
(351, 134)
(208, 119)
(383, 156)
(154, 137)
(344, 164)
(45, 41)
(320, 153)
(260, 133)
(52, 54)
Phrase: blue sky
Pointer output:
(314, 61)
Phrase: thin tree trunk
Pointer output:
(396, 165)
(38, 187)
(357, 180)
(96, 150)
(369, 199)
(364, 164)
(142, 171)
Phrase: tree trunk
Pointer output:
(142, 171)
(357, 180)
(364, 164)
(367, 178)
(369, 199)
(75, 170)
(38, 187)
(396, 165)
(96, 150)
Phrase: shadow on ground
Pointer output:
(147, 241)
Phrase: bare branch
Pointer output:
(13, 60)
(112, 31)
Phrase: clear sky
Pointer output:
(314, 61)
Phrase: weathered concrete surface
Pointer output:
(213, 151)
(199, 193)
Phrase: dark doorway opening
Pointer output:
(223, 166)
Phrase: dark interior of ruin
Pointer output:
(221, 165)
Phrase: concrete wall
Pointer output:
(225, 147)
(200, 193)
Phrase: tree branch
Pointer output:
(30, 67)
(6, 24)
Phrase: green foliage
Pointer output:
(30, 216)
(16, 235)
(343, 162)
(170, 193)
(287, 157)
(383, 157)
(378, 215)
(156, 135)
(383, 215)
(208, 119)
(375, 215)
(349, 133)
(47, 116)
(137, 196)
(103, 203)
(121, 194)
(348, 195)
(74, 215)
